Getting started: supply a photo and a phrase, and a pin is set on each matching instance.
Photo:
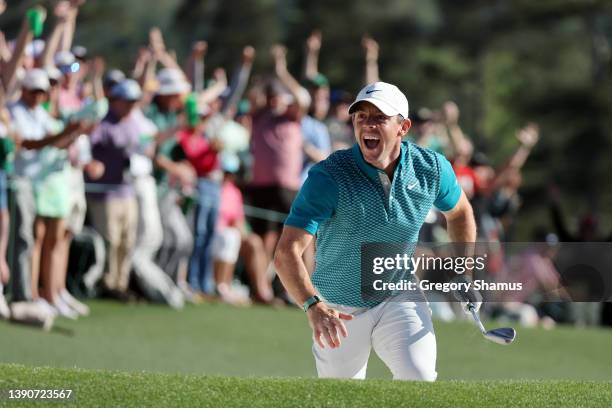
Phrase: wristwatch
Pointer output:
(311, 301)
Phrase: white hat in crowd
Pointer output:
(386, 97)
(53, 73)
(36, 79)
(172, 82)
(66, 62)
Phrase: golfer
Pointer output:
(380, 190)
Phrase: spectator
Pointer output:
(35, 128)
(202, 154)
(317, 143)
(234, 134)
(541, 284)
(233, 240)
(277, 149)
(113, 208)
(69, 98)
(6, 152)
(177, 240)
(462, 150)
(339, 122)
(152, 280)
(428, 130)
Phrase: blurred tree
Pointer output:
(228, 26)
(505, 62)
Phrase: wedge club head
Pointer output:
(503, 335)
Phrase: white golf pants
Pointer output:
(401, 334)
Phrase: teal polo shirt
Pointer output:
(347, 202)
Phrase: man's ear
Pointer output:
(406, 124)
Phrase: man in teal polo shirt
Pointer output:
(380, 190)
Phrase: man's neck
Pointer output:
(390, 169)
(388, 166)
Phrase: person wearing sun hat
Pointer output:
(172, 174)
(34, 194)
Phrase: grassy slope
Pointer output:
(93, 388)
(222, 340)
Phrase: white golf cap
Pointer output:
(53, 73)
(386, 97)
(172, 82)
(36, 79)
(64, 58)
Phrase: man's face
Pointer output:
(320, 101)
(122, 108)
(171, 103)
(277, 103)
(379, 136)
(33, 97)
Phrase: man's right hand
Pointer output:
(328, 323)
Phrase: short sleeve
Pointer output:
(97, 134)
(315, 202)
(450, 191)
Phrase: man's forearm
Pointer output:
(294, 275)
(61, 140)
(9, 72)
(461, 227)
(237, 87)
(300, 94)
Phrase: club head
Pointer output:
(503, 335)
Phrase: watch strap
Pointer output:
(311, 301)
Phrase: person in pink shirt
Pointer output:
(277, 149)
(232, 240)
(69, 100)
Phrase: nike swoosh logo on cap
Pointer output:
(372, 90)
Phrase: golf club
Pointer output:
(503, 335)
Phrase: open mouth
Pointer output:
(371, 141)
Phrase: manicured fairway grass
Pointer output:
(96, 388)
(217, 339)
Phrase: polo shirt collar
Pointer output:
(373, 172)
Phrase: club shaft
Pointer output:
(477, 319)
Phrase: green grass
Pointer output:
(95, 388)
(217, 355)
(222, 340)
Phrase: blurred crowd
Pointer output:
(157, 184)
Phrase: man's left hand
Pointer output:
(469, 299)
